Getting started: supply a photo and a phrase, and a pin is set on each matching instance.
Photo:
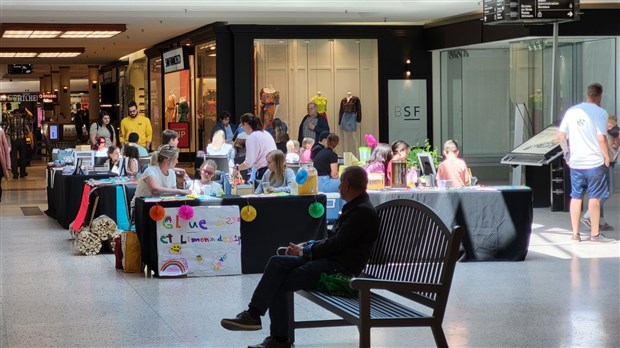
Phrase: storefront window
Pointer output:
(206, 110)
(179, 103)
(579, 65)
(290, 73)
(155, 86)
(484, 87)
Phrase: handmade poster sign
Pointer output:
(207, 244)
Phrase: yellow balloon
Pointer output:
(248, 213)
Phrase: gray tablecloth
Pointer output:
(497, 221)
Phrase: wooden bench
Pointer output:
(414, 257)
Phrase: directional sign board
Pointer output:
(530, 11)
(493, 11)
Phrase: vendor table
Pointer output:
(497, 220)
(279, 220)
(65, 195)
(107, 199)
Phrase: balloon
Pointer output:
(186, 212)
(316, 210)
(157, 212)
(248, 213)
(301, 177)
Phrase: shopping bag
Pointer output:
(130, 246)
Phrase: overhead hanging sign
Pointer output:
(529, 11)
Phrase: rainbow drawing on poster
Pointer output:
(174, 267)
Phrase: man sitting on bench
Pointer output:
(346, 251)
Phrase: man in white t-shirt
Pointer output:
(585, 126)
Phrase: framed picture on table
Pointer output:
(425, 161)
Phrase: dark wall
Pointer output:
(592, 23)
(395, 44)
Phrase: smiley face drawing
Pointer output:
(175, 248)
(200, 259)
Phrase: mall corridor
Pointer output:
(563, 295)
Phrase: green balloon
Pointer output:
(316, 210)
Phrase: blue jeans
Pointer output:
(285, 274)
(327, 184)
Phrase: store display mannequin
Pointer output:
(269, 99)
(183, 110)
(171, 108)
(321, 104)
(349, 116)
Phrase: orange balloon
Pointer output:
(157, 212)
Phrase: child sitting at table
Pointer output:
(378, 161)
(205, 186)
(292, 151)
(453, 168)
(278, 177)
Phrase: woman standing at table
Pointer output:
(258, 144)
(160, 179)
(278, 177)
(102, 128)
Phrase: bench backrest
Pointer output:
(414, 245)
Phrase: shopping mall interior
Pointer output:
(489, 85)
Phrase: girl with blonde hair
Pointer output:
(277, 175)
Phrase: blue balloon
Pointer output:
(301, 177)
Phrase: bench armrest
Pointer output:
(370, 283)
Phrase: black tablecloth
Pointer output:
(280, 220)
(107, 200)
(64, 198)
(498, 223)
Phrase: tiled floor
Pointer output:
(563, 295)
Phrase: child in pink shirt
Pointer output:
(307, 144)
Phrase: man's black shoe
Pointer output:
(243, 322)
(271, 342)
(23, 175)
(15, 176)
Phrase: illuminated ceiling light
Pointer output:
(60, 31)
(40, 52)
(25, 54)
(44, 34)
(211, 55)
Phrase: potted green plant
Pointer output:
(412, 161)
